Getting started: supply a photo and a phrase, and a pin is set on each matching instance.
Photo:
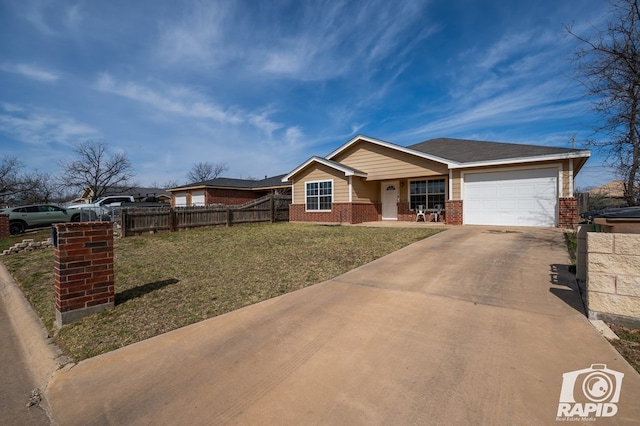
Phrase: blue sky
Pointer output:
(263, 85)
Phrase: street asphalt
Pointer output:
(475, 325)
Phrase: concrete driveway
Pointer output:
(472, 326)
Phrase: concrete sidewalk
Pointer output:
(472, 326)
(27, 359)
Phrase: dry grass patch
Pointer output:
(628, 345)
(169, 280)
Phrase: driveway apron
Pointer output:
(475, 325)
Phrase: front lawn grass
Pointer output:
(169, 280)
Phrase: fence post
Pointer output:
(172, 221)
(123, 222)
(228, 217)
(272, 208)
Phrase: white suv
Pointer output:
(103, 207)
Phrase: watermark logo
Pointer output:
(589, 393)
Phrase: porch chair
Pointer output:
(436, 214)
(421, 213)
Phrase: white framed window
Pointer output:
(426, 192)
(319, 195)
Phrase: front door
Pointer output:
(389, 196)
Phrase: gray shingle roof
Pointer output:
(223, 182)
(470, 151)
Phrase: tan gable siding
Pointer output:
(319, 172)
(381, 163)
(364, 191)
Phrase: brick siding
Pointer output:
(83, 269)
(4, 226)
(568, 212)
(454, 212)
(231, 197)
(340, 213)
(406, 215)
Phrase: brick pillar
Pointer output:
(453, 211)
(83, 269)
(568, 213)
(4, 226)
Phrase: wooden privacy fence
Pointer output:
(270, 208)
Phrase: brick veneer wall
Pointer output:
(83, 270)
(406, 215)
(5, 232)
(613, 278)
(568, 212)
(454, 212)
(340, 213)
(230, 197)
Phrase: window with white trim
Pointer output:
(319, 195)
(427, 193)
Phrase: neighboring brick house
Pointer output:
(227, 191)
(476, 182)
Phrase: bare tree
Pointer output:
(171, 183)
(19, 186)
(10, 168)
(206, 171)
(609, 67)
(94, 168)
(38, 188)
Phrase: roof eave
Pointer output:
(346, 170)
(185, 188)
(585, 154)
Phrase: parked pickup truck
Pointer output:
(100, 209)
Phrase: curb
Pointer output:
(42, 357)
(604, 329)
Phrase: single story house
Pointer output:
(227, 191)
(475, 182)
(608, 195)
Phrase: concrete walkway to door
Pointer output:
(472, 326)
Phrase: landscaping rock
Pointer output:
(27, 245)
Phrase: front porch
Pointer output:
(357, 213)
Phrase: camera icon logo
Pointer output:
(592, 391)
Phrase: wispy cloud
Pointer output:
(35, 127)
(52, 19)
(293, 135)
(186, 102)
(30, 71)
(177, 100)
(318, 42)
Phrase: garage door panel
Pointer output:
(197, 198)
(511, 198)
(181, 200)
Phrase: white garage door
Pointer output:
(511, 198)
(181, 200)
(197, 198)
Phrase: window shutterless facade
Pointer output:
(428, 192)
(319, 195)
